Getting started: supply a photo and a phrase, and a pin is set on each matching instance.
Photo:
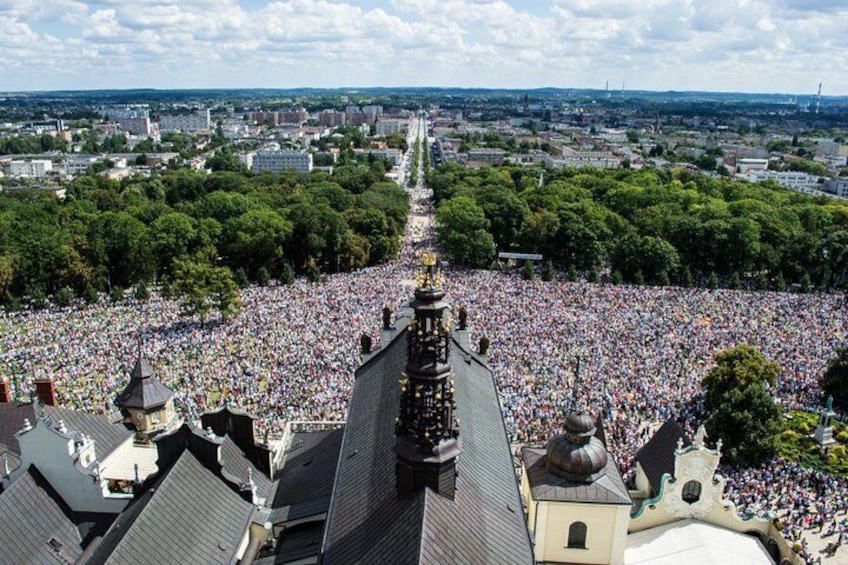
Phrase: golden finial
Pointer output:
(428, 258)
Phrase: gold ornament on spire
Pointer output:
(428, 258)
(430, 277)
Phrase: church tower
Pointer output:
(578, 506)
(426, 431)
(146, 403)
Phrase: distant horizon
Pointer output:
(770, 46)
(353, 89)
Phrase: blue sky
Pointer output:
(721, 45)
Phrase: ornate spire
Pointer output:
(427, 429)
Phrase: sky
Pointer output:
(785, 46)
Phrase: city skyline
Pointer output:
(782, 46)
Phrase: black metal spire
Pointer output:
(426, 429)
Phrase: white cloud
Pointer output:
(659, 44)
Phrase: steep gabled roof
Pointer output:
(191, 517)
(304, 484)
(35, 524)
(235, 463)
(144, 390)
(106, 434)
(656, 457)
(369, 523)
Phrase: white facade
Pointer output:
(276, 161)
(30, 169)
(596, 159)
(802, 182)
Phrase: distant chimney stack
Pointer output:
(45, 388)
(5, 390)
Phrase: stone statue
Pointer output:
(365, 343)
(830, 403)
(463, 318)
(387, 318)
(484, 345)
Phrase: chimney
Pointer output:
(5, 390)
(45, 388)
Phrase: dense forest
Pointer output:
(108, 234)
(650, 226)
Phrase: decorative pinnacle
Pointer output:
(430, 277)
(428, 258)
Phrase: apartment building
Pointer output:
(278, 160)
(30, 168)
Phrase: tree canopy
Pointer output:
(744, 414)
(109, 233)
(748, 422)
(835, 379)
(736, 368)
(659, 226)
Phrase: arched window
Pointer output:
(577, 536)
(692, 492)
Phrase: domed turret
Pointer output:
(576, 454)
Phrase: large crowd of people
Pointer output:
(291, 355)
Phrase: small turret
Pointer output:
(147, 404)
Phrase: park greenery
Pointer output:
(186, 230)
(651, 226)
(743, 413)
(797, 444)
(835, 379)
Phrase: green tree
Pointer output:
(748, 421)
(258, 239)
(116, 295)
(506, 213)
(7, 272)
(528, 271)
(201, 286)
(63, 297)
(835, 379)
(712, 281)
(735, 282)
(142, 293)
(737, 368)
(463, 232)
(548, 271)
(171, 236)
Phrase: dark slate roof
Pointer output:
(12, 417)
(305, 482)
(31, 515)
(192, 517)
(369, 523)
(144, 390)
(235, 464)
(608, 489)
(106, 434)
(656, 457)
(300, 542)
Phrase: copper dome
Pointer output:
(577, 455)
